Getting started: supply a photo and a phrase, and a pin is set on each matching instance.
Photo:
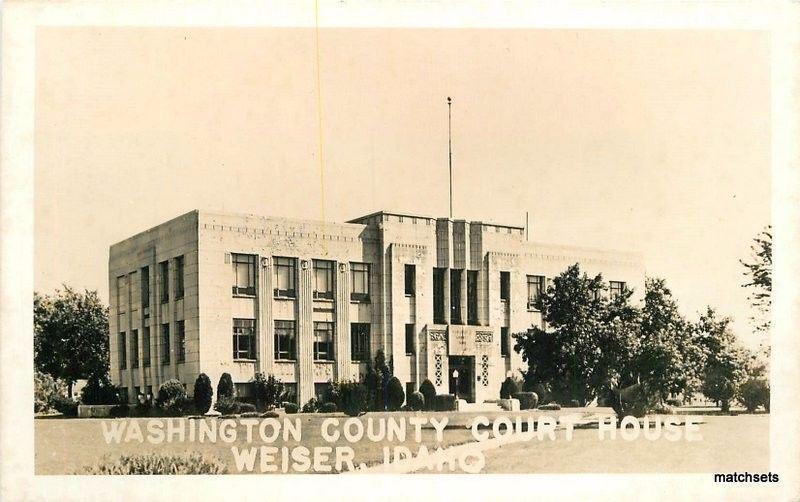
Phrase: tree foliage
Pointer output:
(70, 338)
(203, 393)
(759, 278)
(725, 359)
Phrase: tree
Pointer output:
(225, 386)
(70, 335)
(203, 393)
(759, 278)
(726, 361)
(376, 382)
(268, 390)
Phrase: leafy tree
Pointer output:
(70, 338)
(726, 361)
(759, 278)
(268, 390)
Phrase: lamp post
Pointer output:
(455, 375)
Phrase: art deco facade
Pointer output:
(312, 302)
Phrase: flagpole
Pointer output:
(450, 154)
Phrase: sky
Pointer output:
(654, 141)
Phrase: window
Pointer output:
(165, 358)
(181, 326)
(285, 340)
(410, 279)
(505, 286)
(244, 339)
(323, 279)
(179, 277)
(145, 292)
(617, 289)
(163, 269)
(410, 339)
(472, 297)
(535, 290)
(359, 341)
(504, 342)
(244, 274)
(146, 346)
(455, 296)
(285, 275)
(360, 278)
(438, 296)
(134, 349)
(123, 359)
(323, 341)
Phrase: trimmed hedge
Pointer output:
(120, 411)
(527, 400)
(225, 386)
(64, 405)
(416, 401)
(445, 402)
(203, 394)
(290, 408)
(397, 395)
(550, 407)
(227, 405)
(327, 408)
(428, 391)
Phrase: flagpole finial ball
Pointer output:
(448, 100)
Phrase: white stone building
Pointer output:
(312, 302)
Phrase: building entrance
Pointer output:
(462, 377)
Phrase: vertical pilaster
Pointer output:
(128, 336)
(137, 292)
(173, 324)
(447, 317)
(342, 325)
(155, 324)
(305, 332)
(266, 340)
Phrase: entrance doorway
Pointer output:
(462, 377)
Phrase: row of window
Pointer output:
(163, 284)
(165, 343)
(285, 278)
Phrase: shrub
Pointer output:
(754, 393)
(143, 408)
(527, 400)
(445, 402)
(269, 414)
(310, 406)
(353, 396)
(152, 463)
(99, 390)
(508, 388)
(428, 391)
(251, 414)
(662, 409)
(268, 390)
(170, 392)
(203, 393)
(45, 387)
(227, 405)
(331, 394)
(550, 407)
(64, 405)
(674, 402)
(120, 410)
(225, 386)
(290, 408)
(416, 401)
(396, 394)
(328, 407)
(245, 407)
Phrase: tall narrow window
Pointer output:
(472, 297)
(535, 290)
(179, 277)
(146, 346)
(359, 341)
(455, 296)
(145, 292)
(285, 340)
(123, 355)
(505, 286)
(410, 279)
(122, 294)
(438, 295)
(285, 277)
(244, 339)
(181, 340)
(165, 356)
(617, 288)
(323, 279)
(360, 282)
(323, 341)
(504, 342)
(410, 332)
(163, 269)
(244, 274)
(134, 349)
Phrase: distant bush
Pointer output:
(290, 408)
(225, 386)
(227, 405)
(203, 393)
(268, 390)
(527, 400)
(64, 405)
(674, 402)
(754, 393)
(416, 401)
(508, 388)
(429, 393)
(310, 406)
(445, 402)
(662, 409)
(193, 463)
(120, 411)
(328, 407)
(396, 394)
(550, 407)
(354, 398)
(99, 390)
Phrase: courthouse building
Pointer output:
(313, 302)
